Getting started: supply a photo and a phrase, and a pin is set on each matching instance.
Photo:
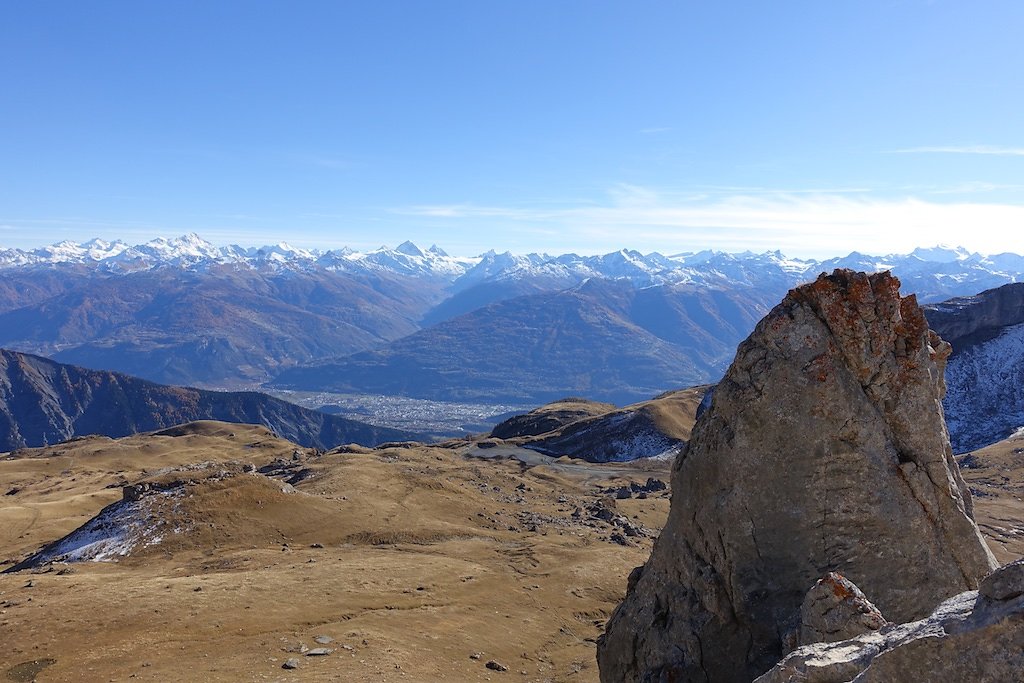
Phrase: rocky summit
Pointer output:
(824, 449)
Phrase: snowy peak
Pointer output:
(410, 249)
(409, 259)
(941, 254)
(936, 273)
(282, 252)
(69, 252)
(185, 250)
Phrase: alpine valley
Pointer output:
(406, 321)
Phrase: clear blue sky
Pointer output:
(816, 127)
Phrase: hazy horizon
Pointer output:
(426, 245)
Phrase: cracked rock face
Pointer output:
(824, 449)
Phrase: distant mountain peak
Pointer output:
(950, 268)
(409, 249)
(941, 253)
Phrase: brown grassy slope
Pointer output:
(428, 558)
(996, 477)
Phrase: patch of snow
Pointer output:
(985, 391)
(642, 444)
(115, 532)
(941, 253)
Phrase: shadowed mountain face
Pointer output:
(43, 402)
(603, 339)
(220, 326)
(984, 400)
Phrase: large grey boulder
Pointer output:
(835, 609)
(824, 449)
(971, 637)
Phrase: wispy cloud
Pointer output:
(477, 211)
(990, 150)
(971, 187)
(775, 191)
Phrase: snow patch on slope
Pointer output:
(115, 532)
(985, 391)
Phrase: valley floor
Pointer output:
(439, 418)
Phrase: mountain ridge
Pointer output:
(45, 402)
(184, 311)
(947, 270)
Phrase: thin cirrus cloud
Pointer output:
(989, 150)
(813, 225)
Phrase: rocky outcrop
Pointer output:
(824, 449)
(977, 636)
(835, 609)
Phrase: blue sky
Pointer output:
(813, 127)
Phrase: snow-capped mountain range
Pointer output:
(495, 328)
(936, 272)
(194, 253)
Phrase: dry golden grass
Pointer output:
(996, 477)
(428, 557)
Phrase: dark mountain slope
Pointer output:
(28, 287)
(44, 402)
(217, 326)
(549, 417)
(489, 292)
(969, 320)
(604, 340)
(984, 400)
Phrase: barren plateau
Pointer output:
(407, 563)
